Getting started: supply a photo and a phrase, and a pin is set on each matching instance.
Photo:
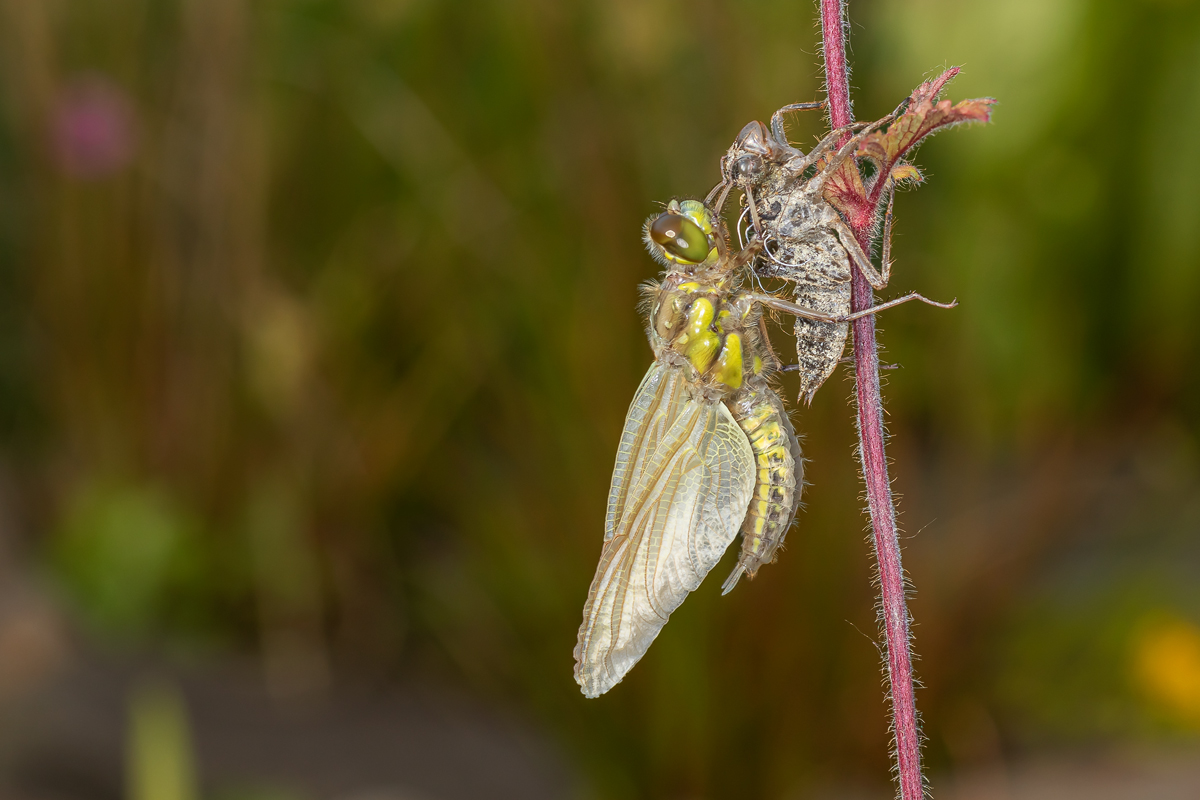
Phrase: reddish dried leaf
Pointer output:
(846, 192)
(924, 115)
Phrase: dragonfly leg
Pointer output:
(746, 256)
(753, 206)
(776, 362)
(777, 118)
(894, 303)
(859, 256)
(885, 264)
(844, 152)
(796, 367)
(779, 304)
(723, 187)
(801, 163)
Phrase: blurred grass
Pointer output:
(332, 368)
(161, 764)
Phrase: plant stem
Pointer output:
(871, 448)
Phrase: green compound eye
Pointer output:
(680, 237)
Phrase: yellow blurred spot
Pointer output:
(159, 756)
(280, 351)
(1166, 666)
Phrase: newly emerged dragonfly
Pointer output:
(707, 449)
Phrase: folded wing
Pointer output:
(684, 476)
(655, 407)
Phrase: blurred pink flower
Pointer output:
(92, 128)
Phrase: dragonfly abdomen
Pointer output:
(778, 481)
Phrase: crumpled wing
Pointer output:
(682, 507)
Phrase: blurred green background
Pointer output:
(318, 327)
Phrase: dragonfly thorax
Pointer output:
(700, 325)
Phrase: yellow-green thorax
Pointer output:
(697, 321)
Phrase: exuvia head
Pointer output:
(746, 160)
(751, 152)
(685, 233)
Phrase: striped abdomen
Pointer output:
(778, 482)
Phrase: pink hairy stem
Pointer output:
(871, 447)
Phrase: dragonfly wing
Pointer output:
(680, 514)
(655, 407)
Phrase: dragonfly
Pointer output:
(707, 448)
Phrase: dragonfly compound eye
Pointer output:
(748, 167)
(680, 237)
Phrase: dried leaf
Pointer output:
(924, 115)
(846, 192)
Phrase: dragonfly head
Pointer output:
(685, 233)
